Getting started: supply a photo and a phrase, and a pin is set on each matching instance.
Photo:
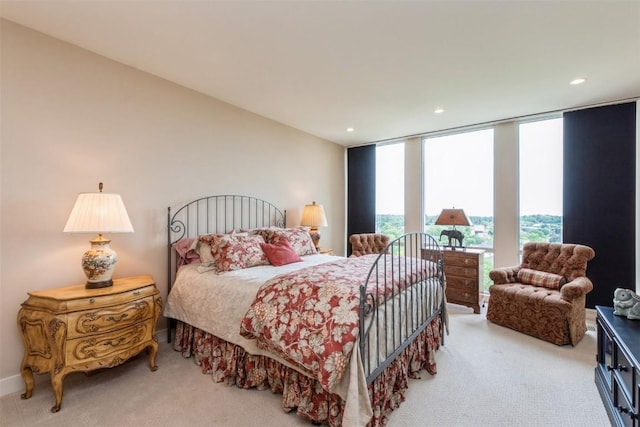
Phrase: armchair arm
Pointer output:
(504, 275)
(576, 288)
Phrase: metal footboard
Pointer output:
(403, 293)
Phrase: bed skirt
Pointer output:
(229, 363)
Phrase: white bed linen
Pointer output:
(220, 312)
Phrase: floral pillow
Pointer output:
(298, 238)
(280, 254)
(235, 252)
(206, 245)
(540, 278)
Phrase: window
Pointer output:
(458, 173)
(390, 189)
(540, 186)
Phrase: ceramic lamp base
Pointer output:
(315, 237)
(98, 263)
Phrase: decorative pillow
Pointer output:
(235, 252)
(540, 278)
(206, 245)
(298, 238)
(185, 251)
(280, 254)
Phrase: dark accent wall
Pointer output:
(599, 194)
(361, 191)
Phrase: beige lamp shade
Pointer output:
(99, 213)
(313, 216)
(453, 217)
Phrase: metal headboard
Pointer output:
(217, 214)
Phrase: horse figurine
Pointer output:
(453, 235)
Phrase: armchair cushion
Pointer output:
(540, 278)
(502, 275)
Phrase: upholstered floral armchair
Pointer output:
(545, 295)
(367, 243)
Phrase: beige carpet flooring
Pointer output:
(487, 376)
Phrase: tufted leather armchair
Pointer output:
(367, 243)
(554, 315)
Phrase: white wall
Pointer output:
(71, 119)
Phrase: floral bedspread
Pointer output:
(311, 317)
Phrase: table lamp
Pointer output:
(453, 217)
(313, 216)
(99, 213)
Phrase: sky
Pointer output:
(465, 179)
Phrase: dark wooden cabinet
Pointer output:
(617, 374)
(463, 269)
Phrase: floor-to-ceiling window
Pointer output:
(540, 181)
(390, 189)
(458, 173)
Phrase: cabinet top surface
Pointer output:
(463, 251)
(80, 291)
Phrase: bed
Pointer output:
(351, 332)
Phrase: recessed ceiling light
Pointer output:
(438, 110)
(577, 81)
(350, 129)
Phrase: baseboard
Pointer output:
(15, 383)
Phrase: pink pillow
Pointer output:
(186, 254)
(280, 254)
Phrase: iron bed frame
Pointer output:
(224, 213)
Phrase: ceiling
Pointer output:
(380, 67)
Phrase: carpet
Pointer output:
(488, 375)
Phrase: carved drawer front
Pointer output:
(109, 318)
(107, 300)
(468, 284)
(461, 295)
(460, 271)
(87, 349)
(461, 260)
(430, 255)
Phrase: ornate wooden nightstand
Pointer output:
(77, 329)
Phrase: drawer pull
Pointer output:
(136, 293)
(622, 368)
(92, 300)
(117, 343)
(628, 411)
(113, 319)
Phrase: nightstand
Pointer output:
(74, 329)
(326, 251)
(463, 269)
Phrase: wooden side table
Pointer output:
(326, 251)
(463, 269)
(77, 329)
